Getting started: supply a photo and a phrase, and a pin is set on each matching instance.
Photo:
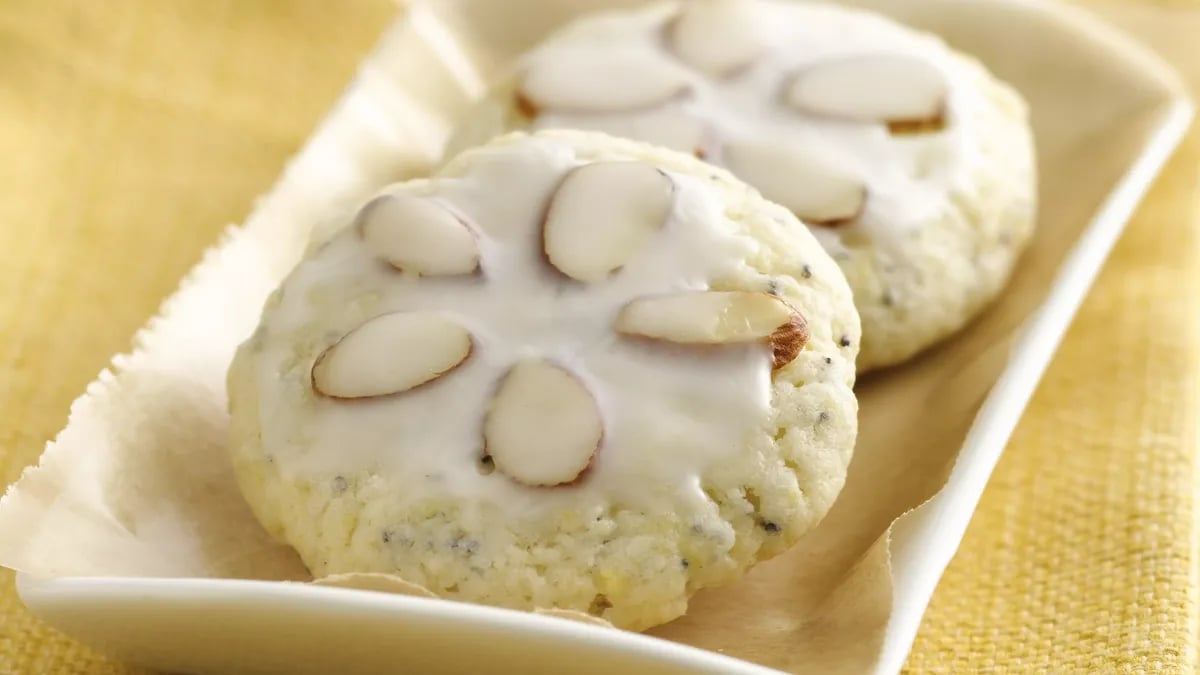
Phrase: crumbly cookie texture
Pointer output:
(567, 372)
(914, 167)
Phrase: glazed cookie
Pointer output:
(912, 165)
(566, 372)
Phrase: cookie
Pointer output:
(568, 371)
(913, 166)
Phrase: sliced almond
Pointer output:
(543, 426)
(598, 82)
(418, 235)
(390, 354)
(800, 178)
(718, 37)
(718, 318)
(905, 92)
(602, 215)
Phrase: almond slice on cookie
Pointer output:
(739, 25)
(418, 235)
(588, 234)
(801, 179)
(390, 354)
(906, 93)
(718, 318)
(543, 426)
(590, 82)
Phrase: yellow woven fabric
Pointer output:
(133, 131)
(1081, 557)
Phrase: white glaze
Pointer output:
(907, 178)
(664, 421)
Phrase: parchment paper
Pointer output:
(138, 484)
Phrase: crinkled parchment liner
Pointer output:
(138, 483)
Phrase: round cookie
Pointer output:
(910, 162)
(567, 371)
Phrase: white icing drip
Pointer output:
(668, 413)
(671, 125)
(907, 177)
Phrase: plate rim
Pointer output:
(1039, 337)
(165, 590)
(997, 417)
(1037, 343)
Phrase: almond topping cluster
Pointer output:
(906, 95)
(543, 426)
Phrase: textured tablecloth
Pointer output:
(133, 131)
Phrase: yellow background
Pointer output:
(133, 131)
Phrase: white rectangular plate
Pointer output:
(1107, 114)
